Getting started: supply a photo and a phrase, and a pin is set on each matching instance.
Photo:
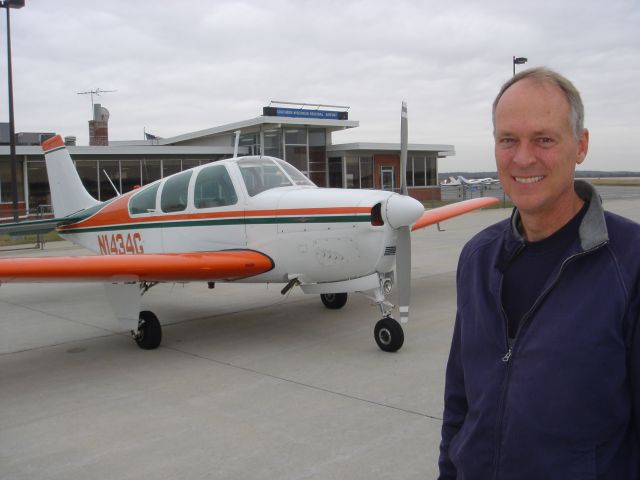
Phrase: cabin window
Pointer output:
(214, 188)
(174, 192)
(144, 201)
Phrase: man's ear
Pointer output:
(583, 146)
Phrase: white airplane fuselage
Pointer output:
(314, 234)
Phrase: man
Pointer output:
(544, 371)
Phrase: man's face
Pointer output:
(535, 148)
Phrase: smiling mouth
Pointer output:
(528, 179)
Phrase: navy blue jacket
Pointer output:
(563, 401)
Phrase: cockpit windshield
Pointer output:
(260, 174)
(297, 176)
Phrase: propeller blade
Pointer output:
(410, 208)
(404, 140)
(403, 272)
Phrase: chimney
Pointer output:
(99, 126)
(70, 141)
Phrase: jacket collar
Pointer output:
(592, 231)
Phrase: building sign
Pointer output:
(302, 113)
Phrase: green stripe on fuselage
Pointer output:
(225, 221)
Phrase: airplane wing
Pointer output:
(167, 267)
(439, 214)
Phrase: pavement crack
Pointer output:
(306, 385)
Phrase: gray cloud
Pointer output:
(190, 65)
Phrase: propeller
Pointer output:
(403, 247)
(402, 211)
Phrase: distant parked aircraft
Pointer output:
(452, 181)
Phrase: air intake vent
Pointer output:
(390, 250)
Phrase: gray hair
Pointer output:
(546, 75)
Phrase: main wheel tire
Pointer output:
(334, 300)
(389, 335)
(149, 333)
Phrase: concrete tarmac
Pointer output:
(247, 384)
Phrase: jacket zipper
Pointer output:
(509, 354)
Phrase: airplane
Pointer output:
(460, 180)
(250, 219)
(451, 181)
(477, 181)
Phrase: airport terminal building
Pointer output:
(300, 134)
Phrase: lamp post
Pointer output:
(518, 61)
(8, 5)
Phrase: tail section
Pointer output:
(68, 194)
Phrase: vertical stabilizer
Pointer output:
(68, 194)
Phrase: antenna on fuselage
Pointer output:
(114, 187)
(235, 148)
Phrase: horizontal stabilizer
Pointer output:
(435, 215)
(32, 227)
(29, 227)
(168, 267)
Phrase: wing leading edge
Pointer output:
(439, 214)
(207, 266)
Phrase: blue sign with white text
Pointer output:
(302, 113)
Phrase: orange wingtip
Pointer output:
(53, 142)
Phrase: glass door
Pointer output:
(387, 176)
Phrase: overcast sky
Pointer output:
(194, 64)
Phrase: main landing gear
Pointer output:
(125, 300)
(388, 332)
(149, 334)
(334, 301)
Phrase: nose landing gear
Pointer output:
(388, 334)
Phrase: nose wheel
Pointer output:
(389, 335)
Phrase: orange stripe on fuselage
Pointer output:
(53, 142)
(117, 213)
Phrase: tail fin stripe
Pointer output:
(53, 142)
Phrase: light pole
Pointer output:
(8, 5)
(518, 61)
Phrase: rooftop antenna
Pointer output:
(96, 92)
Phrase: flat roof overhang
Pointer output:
(442, 150)
(254, 125)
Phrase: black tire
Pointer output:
(149, 333)
(334, 301)
(389, 335)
